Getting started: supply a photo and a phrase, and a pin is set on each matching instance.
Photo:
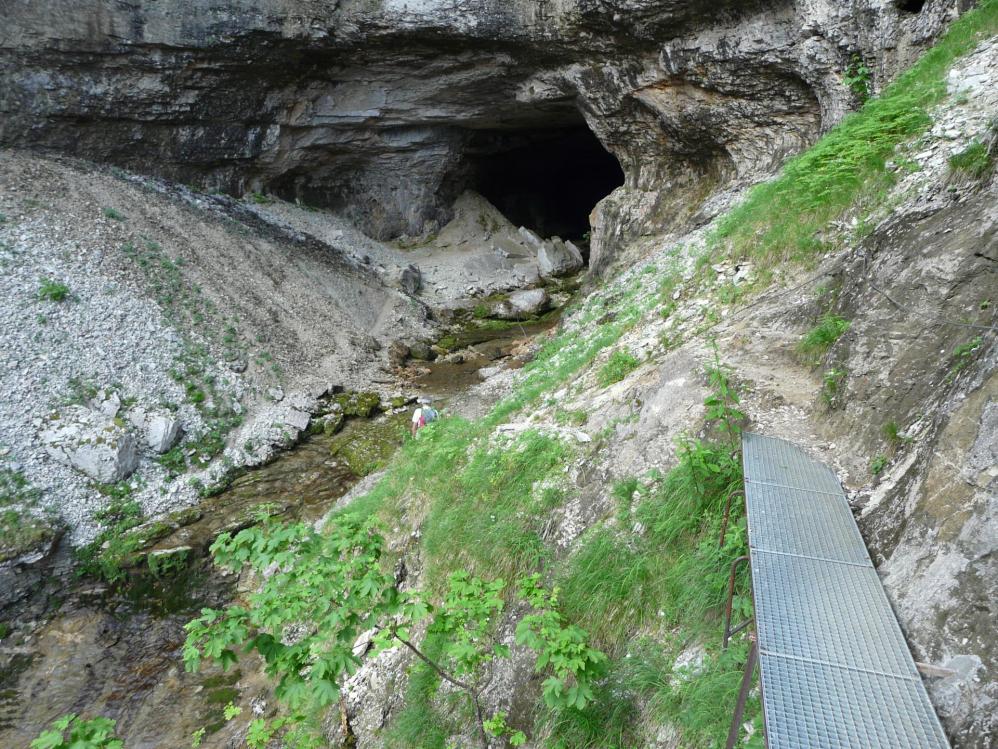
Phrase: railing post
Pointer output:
(727, 608)
(736, 719)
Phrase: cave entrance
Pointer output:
(548, 179)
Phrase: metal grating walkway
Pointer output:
(836, 670)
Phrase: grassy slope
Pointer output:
(643, 598)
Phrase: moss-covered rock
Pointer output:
(357, 404)
(366, 446)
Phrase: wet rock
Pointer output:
(522, 304)
(558, 258)
(331, 423)
(159, 430)
(398, 352)
(411, 280)
(421, 351)
(91, 443)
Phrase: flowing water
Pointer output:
(93, 649)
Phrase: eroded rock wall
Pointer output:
(373, 107)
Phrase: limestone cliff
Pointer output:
(388, 110)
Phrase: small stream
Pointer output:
(95, 649)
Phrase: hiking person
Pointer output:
(423, 415)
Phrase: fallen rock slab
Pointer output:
(92, 443)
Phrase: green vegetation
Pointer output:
(74, 732)
(831, 387)
(106, 556)
(820, 338)
(334, 582)
(975, 161)
(878, 464)
(22, 525)
(668, 577)
(50, 290)
(260, 199)
(113, 214)
(217, 409)
(893, 434)
(617, 367)
(962, 357)
(846, 169)
(857, 78)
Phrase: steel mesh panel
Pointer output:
(799, 522)
(827, 611)
(774, 461)
(836, 670)
(818, 706)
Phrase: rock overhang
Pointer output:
(382, 110)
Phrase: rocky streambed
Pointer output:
(79, 644)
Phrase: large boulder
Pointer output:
(100, 447)
(411, 280)
(522, 304)
(159, 430)
(558, 258)
(531, 239)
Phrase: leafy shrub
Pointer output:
(878, 464)
(83, 733)
(50, 290)
(114, 215)
(964, 354)
(334, 583)
(857, 78)
(617, 367)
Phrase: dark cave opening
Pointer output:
(548, 180)
(911, 6)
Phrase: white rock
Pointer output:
(91, 443)
(555, 258)
(109, 404)
(522, 304)
(297, 419)
(533, 241)
(160, 430)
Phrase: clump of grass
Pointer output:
(113, 214)
(617, 367)
(820, 338)
(963, 354)
(974, 161)
(481, 311)
(50, 290)
(831, 387)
